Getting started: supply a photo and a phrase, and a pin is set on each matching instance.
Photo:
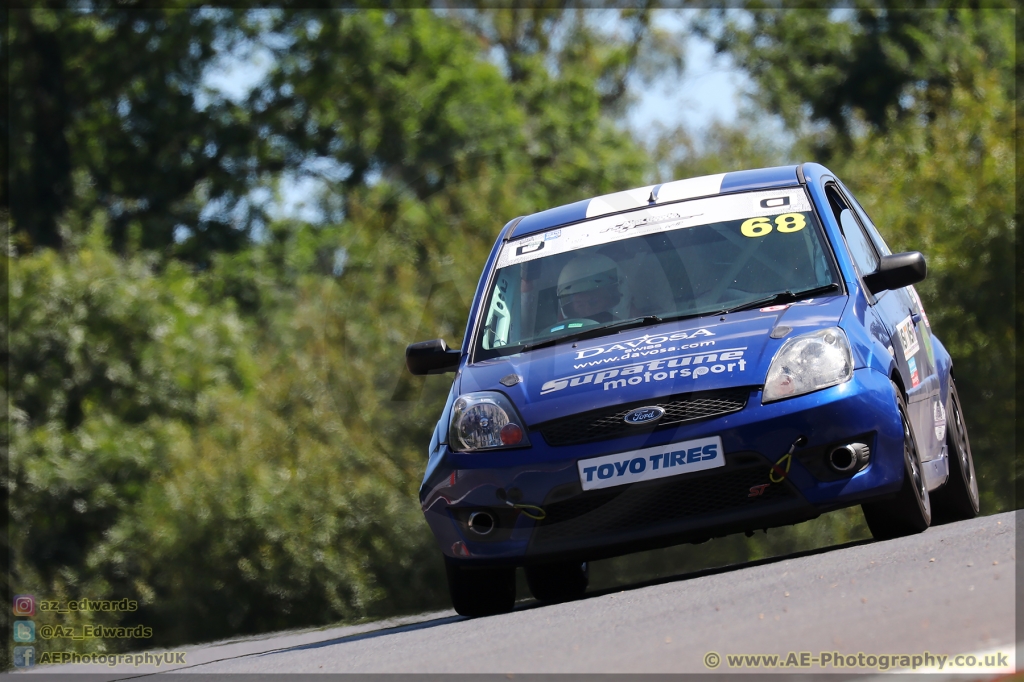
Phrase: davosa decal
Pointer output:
(693, 365)
(645, 342)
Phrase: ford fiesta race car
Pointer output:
(681, 362)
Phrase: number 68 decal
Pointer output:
(760, 226)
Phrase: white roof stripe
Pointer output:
(619, 201)
(706, 185)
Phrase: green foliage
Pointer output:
(111, 368)
(679, 153)
(401, 95)
(568, 75)
(105, 115)
(872, 62)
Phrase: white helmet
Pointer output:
(588, 272)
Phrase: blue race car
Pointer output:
(681, 362)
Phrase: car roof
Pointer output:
(652, 195)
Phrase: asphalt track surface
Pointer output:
(949, 590)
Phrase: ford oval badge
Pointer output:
(644, 415)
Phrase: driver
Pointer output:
(588, 288)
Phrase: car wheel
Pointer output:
(481, 591)
(958, 500)
(910, 512)
(558, 582)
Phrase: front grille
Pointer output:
(608, 423)
(600, 513)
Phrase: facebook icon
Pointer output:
(24, 656)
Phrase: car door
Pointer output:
(900, 312)
(933, 410)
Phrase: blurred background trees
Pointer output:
(209, 408)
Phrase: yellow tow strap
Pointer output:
(540, 514)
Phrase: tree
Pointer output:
(109, 113)
(875, 64)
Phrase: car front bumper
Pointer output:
(514, 486)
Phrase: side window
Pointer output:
(880, 244)
(498, 327)
(861, 249)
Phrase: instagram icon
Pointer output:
(24, 605)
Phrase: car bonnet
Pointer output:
(699, 354)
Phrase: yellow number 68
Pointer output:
(760, 226)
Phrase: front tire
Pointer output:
(959, 499)
(479, 592)
(558, 582)
(911, 511)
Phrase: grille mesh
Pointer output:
(608, 423)
(599, 513)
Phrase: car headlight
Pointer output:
(485, 421)
(809, 362)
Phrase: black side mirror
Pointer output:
(431, 357)
(897, 270)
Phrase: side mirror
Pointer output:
(897, 270)
(431, 357)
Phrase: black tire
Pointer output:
(910, 512)
(958, 500)
(481, 591)
(558, 582)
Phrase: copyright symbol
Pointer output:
(46, 631)
(712, 660)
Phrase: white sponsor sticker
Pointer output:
(908, 338)
(651, 463)
(693, 364)
(655, 219)
(939, 413)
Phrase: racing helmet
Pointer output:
(592, 274)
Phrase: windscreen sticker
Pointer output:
(787, 204)
(674, 368)
(908, 338)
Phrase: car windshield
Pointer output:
(684, 259)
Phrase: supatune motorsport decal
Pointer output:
(692, 365)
